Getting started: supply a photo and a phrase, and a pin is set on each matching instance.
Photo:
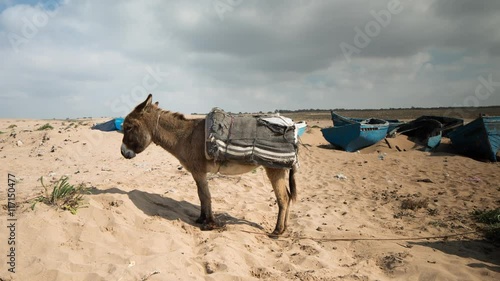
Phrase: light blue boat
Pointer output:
(478, 139)
(339, 120)
(352, 137)
(301, 127)
(119, 123)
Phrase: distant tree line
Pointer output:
(390, 108)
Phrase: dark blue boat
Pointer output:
(478, 139)
(428, 130)
(352, 137)
(339, 120)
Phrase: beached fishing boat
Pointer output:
(111, 125)
(428, 130)
(301, 127)
(339, 120)
(352, 137)
(478, 139)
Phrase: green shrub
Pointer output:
(63, 195)
(491, 220)
(45, 127)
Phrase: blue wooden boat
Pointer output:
(301, 127)
(448, 123)
(479, 139)
(111, 125)
(428, 130)
(119, 123)
(339, 120)
(352, 137)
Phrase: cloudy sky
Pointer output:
(77, 58)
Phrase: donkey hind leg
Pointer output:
(278, 181)
(206, 218)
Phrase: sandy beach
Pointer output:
(138, 222)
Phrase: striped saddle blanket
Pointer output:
(266, 140)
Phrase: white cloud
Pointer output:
(89, 58)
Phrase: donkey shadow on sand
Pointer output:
(156, 205)
(185, 139)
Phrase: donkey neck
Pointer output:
(170, 129)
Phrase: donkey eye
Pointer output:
(127, 128)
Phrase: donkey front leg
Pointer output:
(206, 218)
(278, 181)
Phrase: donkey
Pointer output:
(185, 139)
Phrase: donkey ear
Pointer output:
(141, 107)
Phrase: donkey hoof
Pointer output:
(275, 234)
(210, 226)
(200, 220)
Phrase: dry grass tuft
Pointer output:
(414, 204)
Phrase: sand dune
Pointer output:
(348, 224)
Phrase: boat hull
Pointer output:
(301, 128)
(479, 139)
(339, 120)
(428, 130)
(355, 136)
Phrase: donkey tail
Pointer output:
(293, 186)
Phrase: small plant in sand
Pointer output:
(2, 132)
(45, 127)
(63, 195)
(491, 218)
(12, 126)
(69, 126)
(413, 204)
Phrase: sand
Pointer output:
(138, 222)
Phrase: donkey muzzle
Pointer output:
(127, 153)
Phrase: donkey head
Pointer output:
(137, 135)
